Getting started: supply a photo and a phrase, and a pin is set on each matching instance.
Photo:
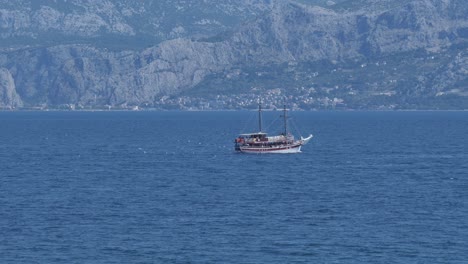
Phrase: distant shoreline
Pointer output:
(231, 110)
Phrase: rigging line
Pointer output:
(246, 123)
(272, 123)
(295, 128)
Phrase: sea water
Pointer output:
(167, 187)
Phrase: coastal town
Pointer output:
(272, 99)
(303, 99)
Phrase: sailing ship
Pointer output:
(260, 142)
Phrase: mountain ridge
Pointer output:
(290, 45)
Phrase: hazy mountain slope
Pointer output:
(406, 56)
(131, 23)
(401, 55)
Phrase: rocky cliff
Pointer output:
(402, 55)
(8, 96)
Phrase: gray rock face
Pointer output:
(82, 74)
(290, 34)
(298, 32)
(34, 21)
(8, 96)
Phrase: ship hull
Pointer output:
(296, 148)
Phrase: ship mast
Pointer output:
(260, 116)
(285, 121)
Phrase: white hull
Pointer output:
(273, 150)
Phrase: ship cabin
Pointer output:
(252, 138)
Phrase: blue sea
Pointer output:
(167, 187)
